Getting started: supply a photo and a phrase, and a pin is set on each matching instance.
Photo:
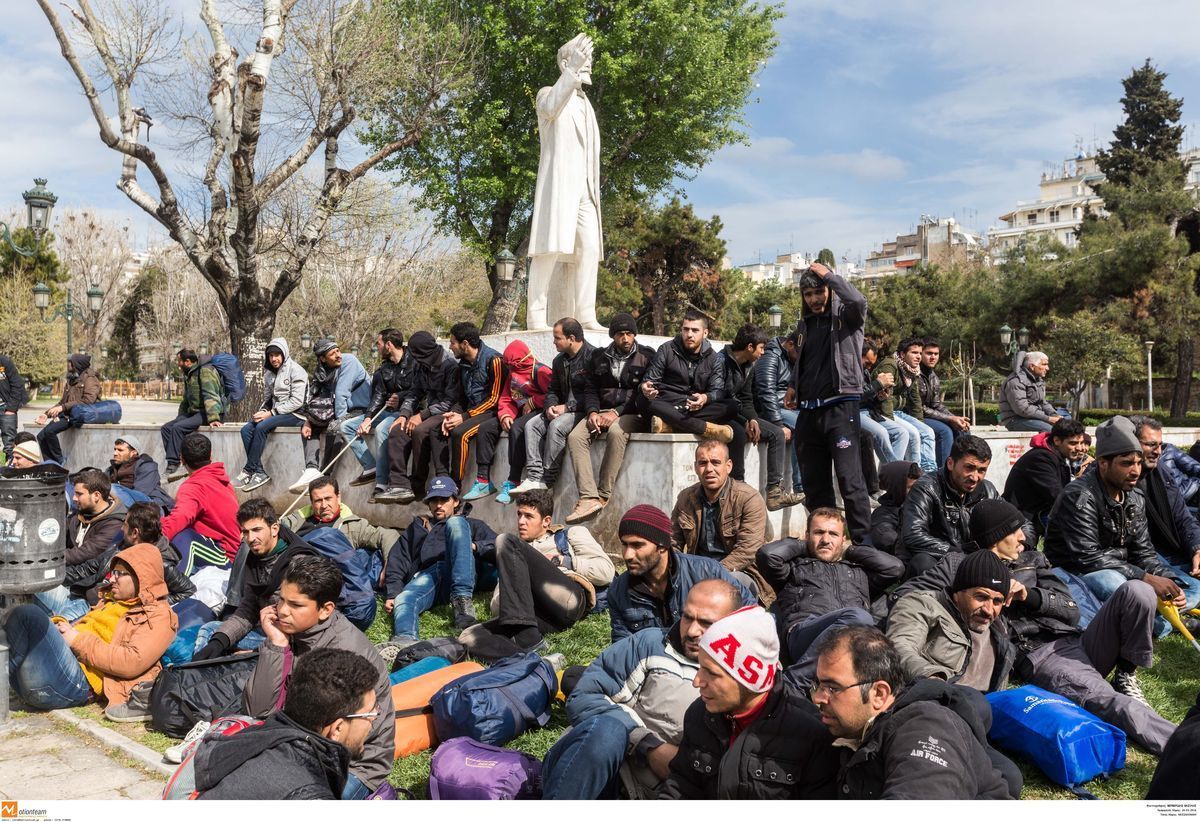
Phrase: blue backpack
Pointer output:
(360, 569)
(233, 379)
(105, 412)
(496, 705)
(128, 496)
(564, 549)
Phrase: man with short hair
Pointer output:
(903, 402)
(550, 579)
(132, 469)
(749, 718)
(82, 388)
(392, 380)
(204, 403)
(546, 434)
(827, 387)
(610, 395)
(685, 382)
(340, 388)
(1023, 405)
(772, 378)
(303, 751)
(722, 518)
(944, 422)
(627, 708)
(879, 723)
(651, 591)
(1039, 475)
(481, 380)
(303, 619)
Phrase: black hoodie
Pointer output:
(436, 387)
(278, 759)
(885, 520)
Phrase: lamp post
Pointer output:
(506, 264)
(776, 315)
(1014, 347)
(39, 205)
(1149, 375)
(306, 341)
(95, 299)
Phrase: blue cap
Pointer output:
(441, 488)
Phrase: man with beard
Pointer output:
(684, 382)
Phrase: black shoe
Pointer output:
(365, 478)
(464, 613)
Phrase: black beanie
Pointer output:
(992, 520)
(622, 322)
(982, 569)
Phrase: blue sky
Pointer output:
(870, 115)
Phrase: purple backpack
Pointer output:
(465, 769)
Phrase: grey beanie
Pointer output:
(1116, 436)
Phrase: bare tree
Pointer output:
(339, 62)
(95, 252)
(181, 310)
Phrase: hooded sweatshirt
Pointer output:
(136, 639)
(885, 520)
(206, 502)
(83, 386)
(436, 385)
(286, 388)
(528, 381)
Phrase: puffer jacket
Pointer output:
(423, 543)
(142, 475)
(743, 517)
(930, 744)
(772, 377)
(390, 378)
(527, 381)
(1180, 470)
(807, 587)
(569, 379)
(632, 607)
(885, 520)
(936, 518)
(645, 683)
(142, 635)
(1023, 396)
(85, 389)
(1089, 531)
(930, 386)
(931, 639)
(603, 389)
(848, 308)
(676, 372)
(785, 753)
(1036, 480)
(285, 390)
(437, 387)
(740, 385)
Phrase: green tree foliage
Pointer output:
(38, 349)
(671, 78)
(1149, 136)
(1083, 346)
(123, 354)
(825, 257)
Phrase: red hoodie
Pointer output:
(1041, 440)
(207, 503)
(528, 379)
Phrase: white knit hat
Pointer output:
(29, 450)
(746, 645)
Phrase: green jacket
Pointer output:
(905, 395)
(203, 391)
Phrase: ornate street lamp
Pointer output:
(39, 205)
(1012, 347)
(68, 310)
(306, 341)
(506, 264)
(776, 315)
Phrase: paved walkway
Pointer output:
(41, 759)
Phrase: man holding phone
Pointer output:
(683, 383)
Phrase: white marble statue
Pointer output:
(565, 236)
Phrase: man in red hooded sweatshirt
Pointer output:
(521, 400)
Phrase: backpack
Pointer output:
(445, 647)
(186, 694)
(564, 550)
(128, 496)
(360, 569)
(498, 704)
(104, 412)
(233, 379)
(465, 769)
(182, 784)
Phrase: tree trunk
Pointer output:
(248, 336)
(1185, 361)
(506, 299)
(658, 313)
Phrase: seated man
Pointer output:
(772, 377)
(1175, 777)
(936, 514)
(436, 561)
(325, 509)
(1039, 475)
(896, 479)
(651, 591)
(1098, 528)
(340, 388)
(548, 581)
(302, 751)
(903, 402)
(738, 359)
(105, 653)
(610, 409)
(91, 531)
(945, 423)
(1023, 405)
(304, 619)
(633, 698)
(890, 440)
(546, 436)
(389, 385)
(822, 582)
(684, 382)
(480, 382)
(743, 697)
(82, 388)
(879, 722)
(136, 471)
(285, 390)
(204, 403)
(722, 518)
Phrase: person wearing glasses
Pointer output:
(925, 740)
(304, 750)
(303, 619)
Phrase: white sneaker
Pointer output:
(301, 483)
(177, 753)
(529, 485)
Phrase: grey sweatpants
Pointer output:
(1077, 666)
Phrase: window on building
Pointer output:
(1054, 216)
(1032, 218)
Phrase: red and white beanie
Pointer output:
(746, 645)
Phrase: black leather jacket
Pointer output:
(739, 385)
(603, 391)
(677, 373)
(1090, 531)
(772, 377)
(569, 379)
(390, 378)
(930, 386)
(936, 518)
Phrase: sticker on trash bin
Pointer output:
(51, 574)
(48, 530)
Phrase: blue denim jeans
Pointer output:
(789, 415)
(451, 576)
(41, 667)
(890, 440)
(584, 762)
(362, 449)
(928, 444)
(1023, 424)
(59, 602)
(249, 642)
(254, 439)
(355, 789)
(1189, 585)
(944, 435)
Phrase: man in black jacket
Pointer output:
(436, 389)
(772, 378)
(685, 382)
(610, 393)
(826, 389)
(546, 434)
(751, 734)
(945, 423)
(822, 582)
(390, 384)
(924, 741)
(1038, 477)
(303, 751)
(13, 395)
